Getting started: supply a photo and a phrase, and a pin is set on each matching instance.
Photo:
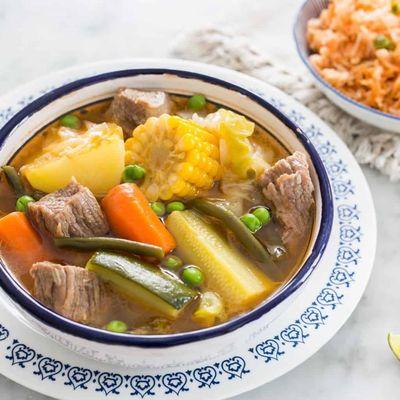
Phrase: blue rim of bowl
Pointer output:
(322, 81)
(54, 320)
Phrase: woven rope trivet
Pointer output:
(371, 146)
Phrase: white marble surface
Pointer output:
(42, 36)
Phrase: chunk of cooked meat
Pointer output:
(73, 292)
(71, 211)
(131, 107)
(288, 186)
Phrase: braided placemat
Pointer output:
(370, 145)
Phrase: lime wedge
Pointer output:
(394, 344)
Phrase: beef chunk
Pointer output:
(71, 211)
(131, 107)
(73, 292)
(288, 186)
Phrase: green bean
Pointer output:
(14, 180)
(110, 243)
(233, 223)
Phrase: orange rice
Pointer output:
(342, 39)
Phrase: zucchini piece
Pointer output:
(142, 282)
(227, 272)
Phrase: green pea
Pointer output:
(173, 262)
(263, 214)
(175, 206)
(158, 208)
(192, 275)
(133, 173)
(22, 203)
(251, 221)
(383, 42)
(117, 326)
(196, 102)
(71, 121)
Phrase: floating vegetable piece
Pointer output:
(175, 206)
(22, 203)
(172, 262)
(229, 273)
(110, 243)
(117, 326)
(158, 207)
(180, 157)
(196, 102)
(192, 275)
(14, 180)
(19, 237)
(233, 223)
(142, 282)
(133, 173)
(71, 121)
(95, 158)
(251, 222)
(131, 217)
(236, 153)
(263, 214)
(210, 310)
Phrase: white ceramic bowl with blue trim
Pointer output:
(171, 76)
(312, 9)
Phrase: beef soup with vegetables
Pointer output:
(152, 213)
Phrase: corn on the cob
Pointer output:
(181, 158)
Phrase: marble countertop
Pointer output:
(46, 35)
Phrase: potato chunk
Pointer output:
(94, 157)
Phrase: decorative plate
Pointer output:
(320, 309)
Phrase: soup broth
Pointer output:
(241, 196)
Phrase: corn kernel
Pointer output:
(152, 192)
(185, 189)
(185, 170)
(186, 143)
(166, 193)
(194, 157)
(178, 186)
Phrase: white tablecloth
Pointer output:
(41, 36)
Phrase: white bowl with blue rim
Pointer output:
(171, 76)
(312, 9)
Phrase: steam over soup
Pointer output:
(152, 213)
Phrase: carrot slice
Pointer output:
(131, 217)
(20, 241)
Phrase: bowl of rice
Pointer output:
(352, 49)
